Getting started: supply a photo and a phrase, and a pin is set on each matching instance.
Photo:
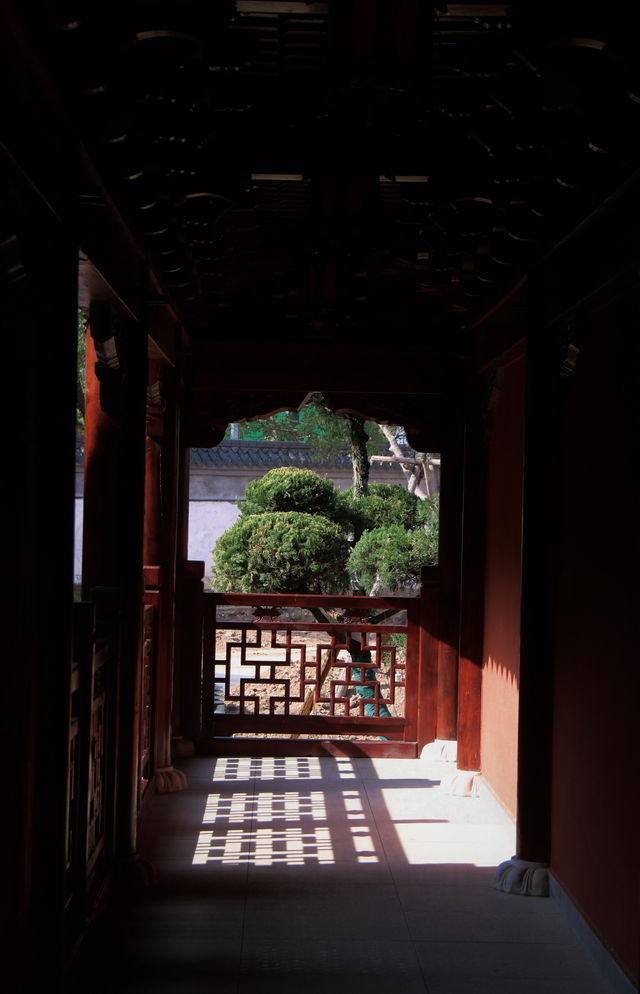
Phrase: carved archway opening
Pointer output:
(420, 416)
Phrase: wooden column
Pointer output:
(538, 593)
(113, 534)
(101, 585)
(153, 583)
(55, 286)
(182, 577)
(100, 546)
(190, 626)
(449, 559)
(38, 319)
(131, 500)
(152, 554)
(527, 873)
(166, 777)
(472, 592)
(428, 679)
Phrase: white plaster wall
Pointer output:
(208, 519)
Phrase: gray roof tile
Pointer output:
(264, 455)
(259, 454)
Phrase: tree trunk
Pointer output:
(358, 439)
(425, 472)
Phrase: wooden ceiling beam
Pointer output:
(582, 266)
(336, 366)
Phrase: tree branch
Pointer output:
(401, 459)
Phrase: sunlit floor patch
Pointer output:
(290, 806)
(293, 846)
(277, 768)
(232, 846)
(266, 846)
(363, 844)
(232, 809)
(290, 826)
(295, 811)
(438, 841)
(234, 768)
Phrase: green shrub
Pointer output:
(399, 640)
(290, 489)
(292, 537)
(385, 504)
(425, 544)
(428, 514)
(285, 551)
(392, 553)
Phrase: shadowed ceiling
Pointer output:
(344, 175)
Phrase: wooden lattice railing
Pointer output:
(308, 665)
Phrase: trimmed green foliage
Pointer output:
(284, 551)
(385, 504)
(326, 432)
(429, 523)
(428, 512)
(393, 554)
(296, 530)
(290, 489)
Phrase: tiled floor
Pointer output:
(331, 876)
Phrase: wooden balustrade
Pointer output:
(324, 667)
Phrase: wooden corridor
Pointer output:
(340, 875)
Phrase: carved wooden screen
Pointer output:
(291, 666)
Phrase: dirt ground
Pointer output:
(264, 692)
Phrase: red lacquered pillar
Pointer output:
(472, 593)
(527, 872)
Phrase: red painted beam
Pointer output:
(366, 749)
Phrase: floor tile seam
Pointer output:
(405, 918)
(252, 781)
(502, 941)
(338, 829)
(568, 946)
(399, 902)
(327, 789)
(389, 822)
(525, 919)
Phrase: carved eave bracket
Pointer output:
(155, 402)
(569, 345)
(493, 385)
(108, 367)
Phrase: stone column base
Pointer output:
(521, 876)
(442, 751)
(462, 783)
(169, 780)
